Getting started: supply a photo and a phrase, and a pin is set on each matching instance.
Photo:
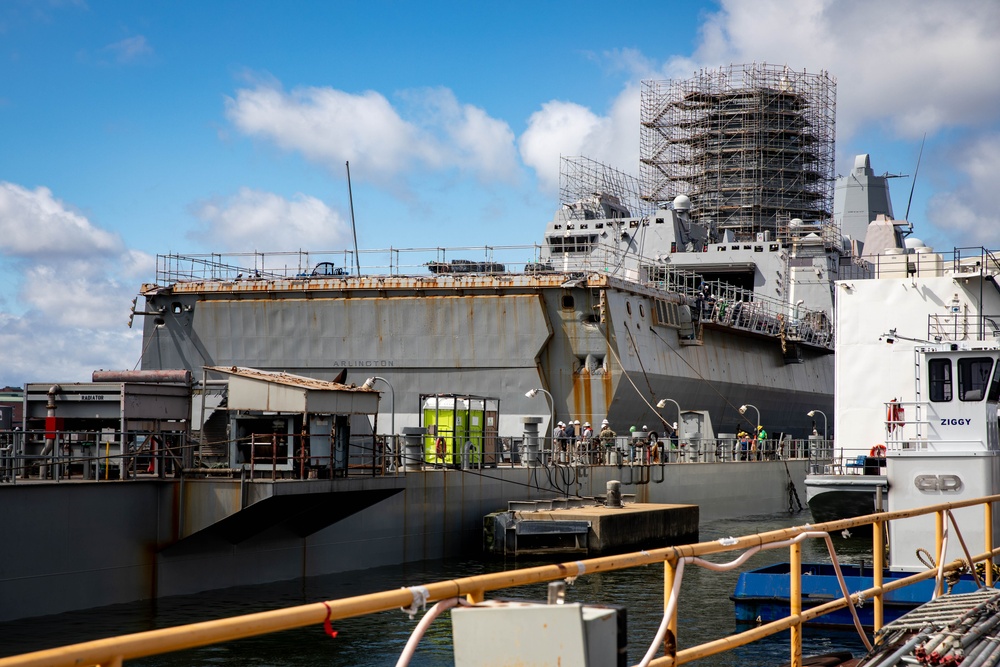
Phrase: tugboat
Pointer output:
(917, 372)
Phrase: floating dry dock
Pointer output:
(587, 526)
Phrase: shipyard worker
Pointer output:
(744, 439)
(558, 437)
(631, 444)
(587, 442)
(653, 442)
(761, 442)
(607, 437)
(707, 301)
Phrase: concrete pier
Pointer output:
(591, 529)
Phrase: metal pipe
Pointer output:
(50, 436)
(988, 539)
(878, 552)
(795, 601)
(176, 376)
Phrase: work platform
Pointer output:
(581, 525)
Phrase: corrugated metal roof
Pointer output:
(288, 379)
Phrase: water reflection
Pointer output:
(706, 611)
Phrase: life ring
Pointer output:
(895, 416)
(877, 451)
(439, 448)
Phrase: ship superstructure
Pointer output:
(633, 296)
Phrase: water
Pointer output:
(706, 612)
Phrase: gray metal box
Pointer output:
(516, 633)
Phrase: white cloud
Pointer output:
(251, 220)
(130, 49)
(36, 351)
(568, 129)
(970, 210)
(34, 224)
(914, 66)
(330, 126)
(70, 285)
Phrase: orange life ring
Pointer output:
(895, 416)
(877, 451)
(439, 448)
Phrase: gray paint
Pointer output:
(86, 545)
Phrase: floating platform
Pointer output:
(583, 525)
(762, 595)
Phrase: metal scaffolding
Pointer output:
(751, 145)
(591, 189)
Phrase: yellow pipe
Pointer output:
(988, 533)
(795, 600)
(878, 553)
(669, 572)
(938, 546)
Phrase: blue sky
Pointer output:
(136, 128)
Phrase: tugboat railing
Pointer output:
(115, 650)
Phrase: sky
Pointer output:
(132, 128)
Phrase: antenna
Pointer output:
(914, 184)
(354, 229)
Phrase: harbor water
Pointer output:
(706, 611)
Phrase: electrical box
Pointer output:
(523, 633)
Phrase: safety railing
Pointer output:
(473, 590)
(92, 455)
(98, 456)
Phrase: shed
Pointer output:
(282, 421)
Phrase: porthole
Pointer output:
(628, 307)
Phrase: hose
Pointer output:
(425, 622)
(671, 607)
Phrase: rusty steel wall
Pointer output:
(496, 343)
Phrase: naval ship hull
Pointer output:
(593, 341)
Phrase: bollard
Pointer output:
(531, 440)
(614, 497)
(413, 448)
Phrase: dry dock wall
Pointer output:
(76, 545)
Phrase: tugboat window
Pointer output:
(995, 385)
(973, 378)
(939, 375)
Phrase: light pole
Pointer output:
(531, 393)
(743, 409)
(662, 404)
(369, 383)
(812, 413)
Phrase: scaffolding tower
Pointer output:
(591, 189)
(751, 145)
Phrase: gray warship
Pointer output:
(709, 282)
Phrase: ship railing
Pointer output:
(960, 327)
(92, 455)
(937, 520)
(303, 264)
(916, 426)
(822, 455)
(722, 304)
(97, 456)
